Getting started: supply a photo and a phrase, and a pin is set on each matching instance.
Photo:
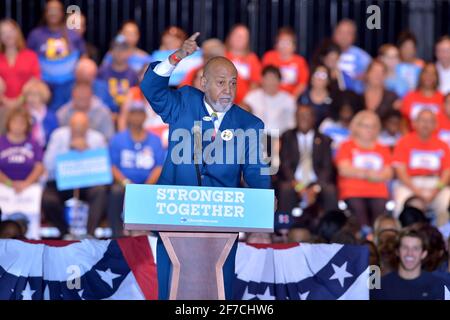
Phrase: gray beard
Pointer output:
(217, 107)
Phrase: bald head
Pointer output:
(79, 124)
(219, 65)
(86, 70)
(425, 123)
(219, 83)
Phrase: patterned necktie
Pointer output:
(214, 118)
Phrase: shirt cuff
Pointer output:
(164, 68)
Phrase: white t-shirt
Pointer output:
(277, 112)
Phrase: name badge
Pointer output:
(428, 160)
(369, 161)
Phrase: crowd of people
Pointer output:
(361, 143)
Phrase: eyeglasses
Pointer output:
(320, 75)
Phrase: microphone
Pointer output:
(198, 152)
(197, 144)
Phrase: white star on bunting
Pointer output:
(27, 293)
(340, 273)
(108, 276)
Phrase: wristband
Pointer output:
(440, 185)
(299, 187)
(8, 183)
(175, 58)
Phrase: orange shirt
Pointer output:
(249, 71)
(190, 77)
(422, 158)
(375, 158)
(415, 101)
(443, 129)
(293, 71)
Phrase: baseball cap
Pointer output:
(120, 42)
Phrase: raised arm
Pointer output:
(155, 85)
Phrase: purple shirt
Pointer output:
(55, 44)
(18, 160)
(119, 83)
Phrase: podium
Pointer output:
(198, 227)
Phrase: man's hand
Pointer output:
(19, 186)
(189, 47)
(79, 143)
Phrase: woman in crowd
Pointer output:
(17, 63)
(375, 97)
(20, 155)
(426, 96)
(328, 54)
(36, 95)
(394, 82)
(246, 62)
(293, 67)
(58, 49)
(364, 168)
(410, 66)
(318, 94)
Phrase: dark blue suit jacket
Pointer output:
(180, 109)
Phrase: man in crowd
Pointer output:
(410, 282)
(75, 136)
(137, 157)
(353, 60)
(83, 100)
(306, 166)
(442, 52)
(422, 165)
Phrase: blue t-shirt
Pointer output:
(135, 61)
(426, 287)
(58, 53)
(354, 62)
(410, 73)
(136, 160)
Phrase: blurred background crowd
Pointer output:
(361, 141)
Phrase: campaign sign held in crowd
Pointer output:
(171, 208)
(83, 169)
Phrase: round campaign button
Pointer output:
(227, 135)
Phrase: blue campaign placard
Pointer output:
(189, 208)
(82, 169)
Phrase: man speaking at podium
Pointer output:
(207, 117)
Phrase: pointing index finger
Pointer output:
(194, 36)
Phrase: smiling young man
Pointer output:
(410, 282)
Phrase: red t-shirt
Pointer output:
(422, 158)
(293, 71)
(443, 130)
(249, 70)
(25, 67)
(415, 101)
(189, 77)
(375, 158)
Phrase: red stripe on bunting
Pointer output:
(278, 246)
(138, 254)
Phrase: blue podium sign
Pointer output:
(188, 208)
(76, 169)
